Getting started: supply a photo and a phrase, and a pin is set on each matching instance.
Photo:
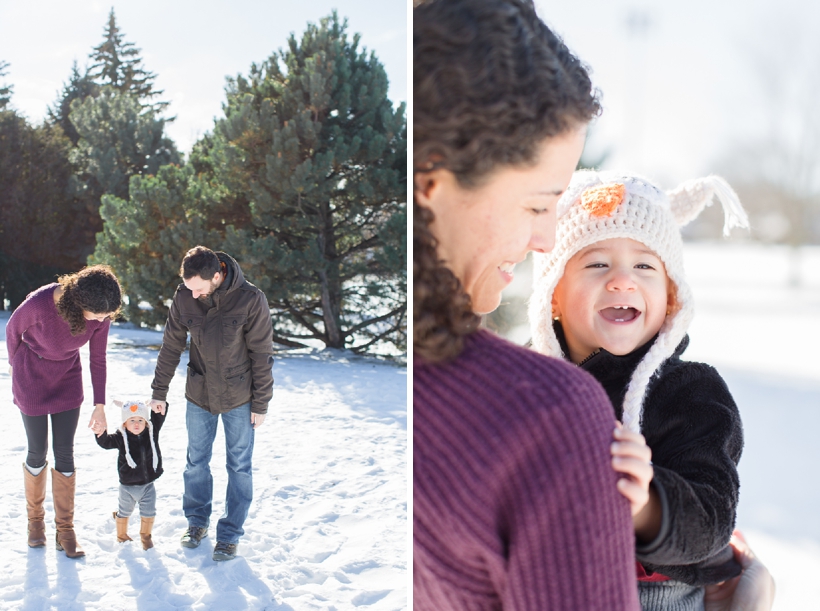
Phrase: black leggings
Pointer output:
(63, 428)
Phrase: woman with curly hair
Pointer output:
(515, 504)
(43, 336)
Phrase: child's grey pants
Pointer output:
(670, 596)
(145, 495)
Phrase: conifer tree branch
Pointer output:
(372, 321)
(297, 314)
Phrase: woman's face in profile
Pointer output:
(483, 232)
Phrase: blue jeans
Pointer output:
(199, 484)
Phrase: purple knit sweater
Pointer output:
(45, 358)
(514, 497)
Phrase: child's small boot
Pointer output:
(122, 529)
(146, 525)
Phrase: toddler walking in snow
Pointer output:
(612, 298)
(139, 464)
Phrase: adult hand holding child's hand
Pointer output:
(157, 406)
(98, 417)
(97, 427)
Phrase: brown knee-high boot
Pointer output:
(146, 525)
(62, 489)
(35, 495)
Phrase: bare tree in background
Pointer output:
(776, 169)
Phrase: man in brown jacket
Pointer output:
(229, 375)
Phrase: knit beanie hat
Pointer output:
(603, 205)
(139, 409)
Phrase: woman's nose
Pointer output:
(543, 238)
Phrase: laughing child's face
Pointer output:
(614, 295)
(135, 425)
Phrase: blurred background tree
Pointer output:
(5, 90)
(776, 169)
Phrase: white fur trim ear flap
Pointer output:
(690, 198)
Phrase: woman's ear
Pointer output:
(431, 188)
(425, 185)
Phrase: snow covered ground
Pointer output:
(763, 336)
(328, 527)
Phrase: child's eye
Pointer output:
(644, 266)
(597, 266)
(538, 211)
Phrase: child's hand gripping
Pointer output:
(98, 427)
(632, 457)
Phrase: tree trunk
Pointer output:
(329, 275)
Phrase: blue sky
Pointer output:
(190, 45)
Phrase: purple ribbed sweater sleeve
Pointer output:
(97, 347)
(514, 498)
(20, 320)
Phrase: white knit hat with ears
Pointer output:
(141, 410)
(603, 205)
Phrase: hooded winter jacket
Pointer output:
(231, 345)
(692, 426)
(139, 446)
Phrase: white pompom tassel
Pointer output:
(128, 458)
(733, 213)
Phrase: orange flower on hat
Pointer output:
(602, 200)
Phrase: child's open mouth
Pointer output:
(620, 314)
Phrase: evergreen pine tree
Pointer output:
(5, 90)
(118, 64)
(43, 229)
(78, 87)
(145, 237)
(119, 138)
(317, 149)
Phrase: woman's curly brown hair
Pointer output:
(93, 289)
(491, 82)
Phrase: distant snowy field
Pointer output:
(763, 335)
(328, 527)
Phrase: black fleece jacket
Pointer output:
(139, 447)
(692, 426)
